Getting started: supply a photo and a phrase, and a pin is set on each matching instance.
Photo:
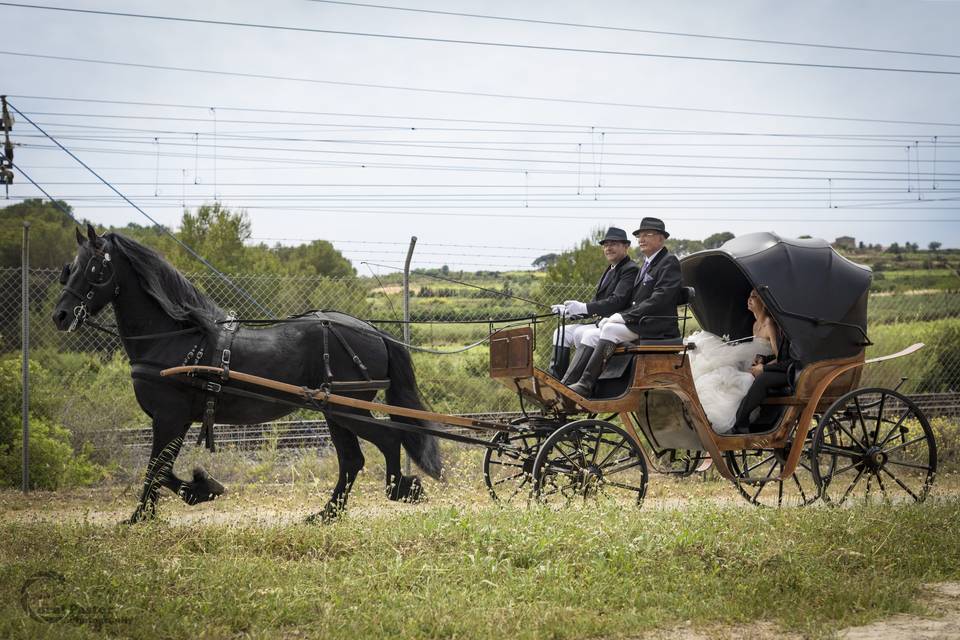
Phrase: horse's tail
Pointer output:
(422, 447)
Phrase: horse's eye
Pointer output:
(65, 274)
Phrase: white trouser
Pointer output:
(612, 331)
(572, 334)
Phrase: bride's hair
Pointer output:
(757, 300)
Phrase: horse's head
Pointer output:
(89, 282)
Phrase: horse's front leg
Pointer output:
(166, 447)
(167, 440)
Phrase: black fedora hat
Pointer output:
(652, 224)
(615, 234)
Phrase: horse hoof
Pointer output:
(210, 485)
(202, 489)
(409, 490)
(138, 517)
(329, 515)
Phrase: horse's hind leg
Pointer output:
(350, 460)
(399, 486)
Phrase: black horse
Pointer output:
(151, 297)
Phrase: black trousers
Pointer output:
(761, 389)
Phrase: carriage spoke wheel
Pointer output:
(883, 445)
(758, 470)
(678, 462)
(508, 464)
(590, 459)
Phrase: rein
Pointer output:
(147, 336)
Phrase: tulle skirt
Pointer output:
(721, 374)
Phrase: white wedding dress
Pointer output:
(721, 374)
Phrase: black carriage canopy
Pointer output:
(818, 297)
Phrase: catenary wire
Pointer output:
(370, 85)
(637, 30)
(484, 43)
(580, 126)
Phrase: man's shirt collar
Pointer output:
(653, 257)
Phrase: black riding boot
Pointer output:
(559, 362)
(594, 368)
(580, 359)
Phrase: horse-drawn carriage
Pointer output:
(820, 437)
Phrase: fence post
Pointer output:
(25, 350)
(406, 312)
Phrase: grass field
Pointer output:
(696, 557)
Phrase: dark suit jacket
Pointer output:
(614, 294)
(656, 295)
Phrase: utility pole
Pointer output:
(6, 161)
(406, 290)
(406, 312)
(25, 350)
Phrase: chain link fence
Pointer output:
(448, 316)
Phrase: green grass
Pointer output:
(463, 570)
(918, 367)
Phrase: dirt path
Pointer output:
(943, 599)
(943, 623)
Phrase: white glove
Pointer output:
(558, 308)
(575, 307)
(616, 319)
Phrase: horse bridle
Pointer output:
(99, 275)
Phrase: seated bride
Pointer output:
(722, 370)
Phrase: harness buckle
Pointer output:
(225, 358)
(213, 387)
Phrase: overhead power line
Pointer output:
(189, 140)
(189, 250)
(483, 43)
(582, 127)
(529, 164)
(807, 219)
(637, 30)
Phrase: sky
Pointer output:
(492, 155)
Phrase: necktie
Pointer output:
(606, 276)
(643, 271)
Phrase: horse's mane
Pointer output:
(176, 295)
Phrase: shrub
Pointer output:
(53, 461)
(944, 375)
(947, 434)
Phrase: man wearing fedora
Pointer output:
(613, 294)
(652, 314)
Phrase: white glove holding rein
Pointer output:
(575, 307)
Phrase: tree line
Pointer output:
(215, 232)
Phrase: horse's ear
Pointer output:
(91, 235)
(80, 238)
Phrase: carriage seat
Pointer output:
(660, 345)
(684, 296)
(653, 342)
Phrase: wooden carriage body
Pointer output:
(660, 401)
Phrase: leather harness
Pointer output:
(148, 370)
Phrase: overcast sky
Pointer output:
(570, 142)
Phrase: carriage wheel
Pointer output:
(756, 470)
(590, 458)
(507, 471)
(679, 462)
(883, 446)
